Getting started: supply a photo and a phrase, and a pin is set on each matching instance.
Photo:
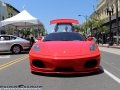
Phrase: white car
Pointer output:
(13, 43)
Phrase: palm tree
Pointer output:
(25, 32)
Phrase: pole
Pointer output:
(1, 15)
(117, 23)
(110, 42)
(86, 24)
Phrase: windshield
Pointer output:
(64, 36)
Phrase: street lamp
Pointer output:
(86, 21)
(109, 12)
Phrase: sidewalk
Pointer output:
(110, 50)
(106, 45)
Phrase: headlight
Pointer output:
(36, 47)
(92, 47)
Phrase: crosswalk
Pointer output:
(4, 56)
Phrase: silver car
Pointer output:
(13, 43)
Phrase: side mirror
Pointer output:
(89, 39)
(39, 39)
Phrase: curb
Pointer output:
(109, 46)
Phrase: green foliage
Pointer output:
(23, 32)
(99, 22)
(80, 28)
(9, 12)
(10, 30)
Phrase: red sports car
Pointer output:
(64, 52)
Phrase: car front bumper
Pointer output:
(64, 65)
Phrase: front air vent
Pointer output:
(90, 64)
(38, 63)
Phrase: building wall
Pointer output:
(4, 15)
(3, 7)
(101, 7)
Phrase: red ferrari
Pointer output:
(64, 51)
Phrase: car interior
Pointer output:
(8, 37)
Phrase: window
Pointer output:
(13, 38)
(3, 17)
(64, 36)
(119, 23)
(62, 27)
(6, 37)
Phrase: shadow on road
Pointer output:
(71, 75)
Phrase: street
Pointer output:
(14, 71)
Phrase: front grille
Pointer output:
(58, 69)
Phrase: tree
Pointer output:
(10, 30)
(80, 28)
(9, 12)
(98, 23)
(23, 32)
(39, 31)
(90, 24)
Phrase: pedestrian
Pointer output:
(32, 41)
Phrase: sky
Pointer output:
(47, 10)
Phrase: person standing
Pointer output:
(32, 41)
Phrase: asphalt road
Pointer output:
(17, 72)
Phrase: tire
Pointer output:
(16, 49)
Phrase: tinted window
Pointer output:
(13, 38)
(64, 36)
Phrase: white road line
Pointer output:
(4, 56)
(112, 76)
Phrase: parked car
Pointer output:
(13, 43)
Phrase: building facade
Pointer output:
(102, 9)
(4, 7)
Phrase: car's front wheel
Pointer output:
(16, 49)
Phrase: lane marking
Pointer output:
(112, 76)
(4, 56)
(111, 65)
(13, 62)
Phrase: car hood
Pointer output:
(62, 47)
